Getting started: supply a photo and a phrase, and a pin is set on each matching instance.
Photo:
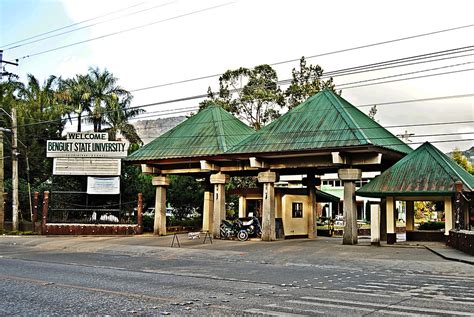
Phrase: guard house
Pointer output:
(424, 174)
(324, 134)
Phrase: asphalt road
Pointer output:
(144, 276)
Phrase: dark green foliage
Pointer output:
(251, 94)
(186, 195)
(305, 83)
(133, 182)
(431, 225)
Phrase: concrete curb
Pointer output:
(450, 258)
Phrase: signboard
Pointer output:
(86, 166)
(70, 148)
(90, 136)
(86, 144)
(103, 185)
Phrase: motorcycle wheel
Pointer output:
(243, 235)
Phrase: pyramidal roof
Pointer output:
(425, 171)
(209, 132)
(325, 120)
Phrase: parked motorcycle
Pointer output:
(253, 227)
(241, 230)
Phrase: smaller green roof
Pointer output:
(424, 172)
(211, 131)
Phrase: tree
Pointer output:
(251, 94)
(305, 83)
(185, 195)
(75, 93)
(117, 116)
(41, 117)
(103, 89)
(373, 112)
(462, 160)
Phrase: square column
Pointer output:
(410, 215)
(160, 182)
(448, 215)
(242, 206)
(312, 229)
(218, 180)
(268, 213)
(208, 211)
(349, 176)
(391, 224)
(375, 224)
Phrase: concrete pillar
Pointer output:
(312, 229)
(448, 215)
(268, 213)
(410, 215)
(383, 219)
(242, 207)
(278, 205)
(161, 182)
(218, 180)
(375, 224)
(208, 210)
(391, 224)
(349, 176)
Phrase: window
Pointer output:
(297, 210)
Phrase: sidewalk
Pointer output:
(290, 249)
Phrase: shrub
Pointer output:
(431, 225)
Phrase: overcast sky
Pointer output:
(189, 39)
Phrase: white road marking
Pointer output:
(352, 308)
(424, 309)
(271, 313)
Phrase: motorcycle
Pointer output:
(241, 230)
(229, 230)
(253, 227)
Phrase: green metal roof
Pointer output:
(325, 120)
(209, 132)
(425, 171)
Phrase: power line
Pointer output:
(351, 70)
(378, 43)
(90, 25)
(404, 74)
(403, 79)
(184, 110)
(128, 30)
(74, 24)
(416, 100)
(321, 141)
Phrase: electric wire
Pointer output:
(129, 29)
(350, 70)
(74, 24)
(88, 26)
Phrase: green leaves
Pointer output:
(254, 95)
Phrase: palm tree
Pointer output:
(117, 115)
(103, 89)
(75, 92)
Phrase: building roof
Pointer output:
(211, 131)
(325, 120)
(424, 172)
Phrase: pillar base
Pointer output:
(375, 244)
(391, 238)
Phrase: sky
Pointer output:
(184, 39)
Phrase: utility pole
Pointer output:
(15, 203)
(2, 188)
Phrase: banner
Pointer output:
(103, 185)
